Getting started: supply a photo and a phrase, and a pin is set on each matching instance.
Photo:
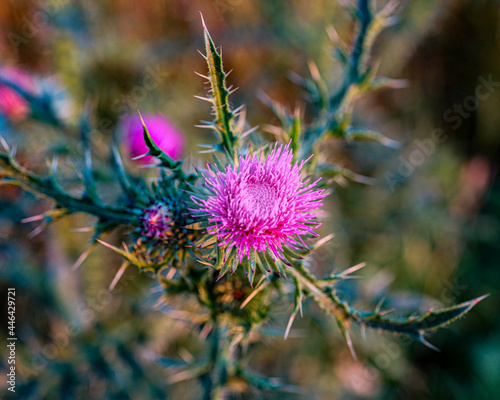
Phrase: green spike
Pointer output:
(165, 160)
(366, 134)
(220, 93)
(227, 264)
(344, 329)
(221, 252)
(246, 266)
(265, 263)
(334, 171)
(253, 263)
(234, 264)
(292, 254)
(263, 268)
(275, 264)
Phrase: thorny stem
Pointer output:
(216, 377)
(225, 349)
(353, 73)
(416, 326)
(351, 78)
(329, 300)
(220, 94)
(48, 187)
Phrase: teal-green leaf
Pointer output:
(415, 326)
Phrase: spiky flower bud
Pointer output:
(162, 236)
(157, 222)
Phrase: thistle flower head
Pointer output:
(262, 203)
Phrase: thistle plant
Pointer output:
(240, 233)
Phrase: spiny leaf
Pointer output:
(379, 22)
(265, 263)
(335, 171)
(234, 264)
(220, 93)
(387, 83)
(297, 306)
(249, 267)
(366, 134)
(218, 163)
(344, 329)
(417, 326)
(227, 263)
(346, 274)
(131, 258)
(274, 263)
(292, 254)
(253, 262)
(221, 252)
(296, 131)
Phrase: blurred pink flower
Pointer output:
(12, 105)
(163, 132)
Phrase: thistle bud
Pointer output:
(157, 222)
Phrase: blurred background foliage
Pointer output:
(429, 225)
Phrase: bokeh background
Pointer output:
(429, 228)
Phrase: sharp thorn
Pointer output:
(34, 218)
(210, 100)
(118, 275)
(81, 259)
(141, 156)
(203, 76)
(4, 144)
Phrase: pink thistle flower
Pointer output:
(12, 104)
(162, 131)
(156, 222)
(261, 203)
